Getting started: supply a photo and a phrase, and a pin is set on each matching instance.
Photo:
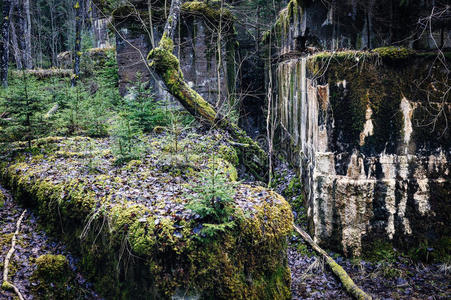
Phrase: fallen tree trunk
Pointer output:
(167, 66)
(347, 282)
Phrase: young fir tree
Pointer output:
(24, 107)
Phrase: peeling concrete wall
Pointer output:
(373, 164)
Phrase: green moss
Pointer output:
(7, 286)
(5, 239)
(228, 153)
(293, 188)
(294, 195)
(127, 248)
(54, 277)
(380, 250)
(212, 10)
(394, 53)
(346, 280)
(51, 267)
(2, 199)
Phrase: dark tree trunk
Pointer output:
(4, 51)
(77, 49)
(167, 66)
(53, 34)
(28, 60)
(14, 43)
(21, 32)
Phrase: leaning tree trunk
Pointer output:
(77, 49)
(4, 51)
(167, 66)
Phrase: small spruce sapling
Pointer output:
(127, 139)
(142, 107)
(213, 201)
(24, 106)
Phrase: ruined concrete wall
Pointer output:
(196, 47)
(131, 49)
(369, 135)
(356, 24)
(197, 51)
(100, 32)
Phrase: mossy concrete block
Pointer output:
(136, 235)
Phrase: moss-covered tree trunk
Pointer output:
(167, 66)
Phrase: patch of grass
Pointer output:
(381, 250)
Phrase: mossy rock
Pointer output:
(229, 154)
(54, 278)
(52, 268)
(212, 11)
(136, 235)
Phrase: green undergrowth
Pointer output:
(39, 106)
(381, 251)
(132, 224)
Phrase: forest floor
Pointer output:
(311, 279)
(396, 277)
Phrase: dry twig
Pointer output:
(6, 284)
